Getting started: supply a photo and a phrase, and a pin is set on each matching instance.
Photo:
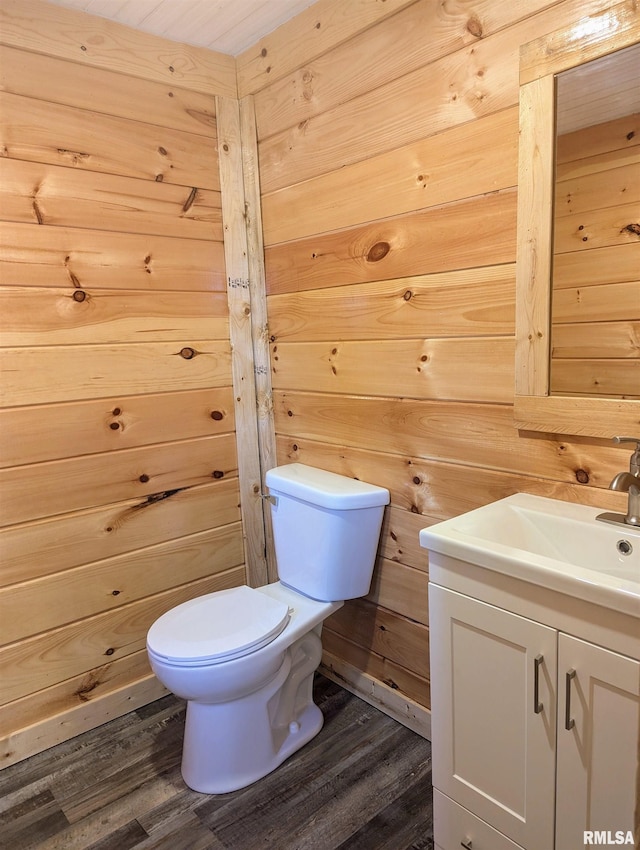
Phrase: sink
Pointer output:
(549, 542)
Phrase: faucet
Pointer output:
(627, 482)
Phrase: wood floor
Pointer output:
(364, 783)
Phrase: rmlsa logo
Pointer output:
(605, 837)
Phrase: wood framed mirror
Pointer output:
(537, 405)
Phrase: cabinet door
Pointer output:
(598, 716)
(493, 743)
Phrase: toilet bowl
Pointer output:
(244, 658)
(241, 721)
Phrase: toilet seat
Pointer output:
(218, 627)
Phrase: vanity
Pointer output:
(534, 612)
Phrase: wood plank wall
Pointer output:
(595, 343)
(388, 166)
(119, 472)
(387, 152)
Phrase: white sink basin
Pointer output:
(552, 543)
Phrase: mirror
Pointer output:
(545, 400)
(595, 300)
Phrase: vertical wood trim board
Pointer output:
(241, 334)
(533, 269)
(259, 319)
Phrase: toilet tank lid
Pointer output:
(323, 488)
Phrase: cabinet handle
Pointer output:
(467, 844)
(537, 663)
(569, 722)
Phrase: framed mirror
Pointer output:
(577, 338)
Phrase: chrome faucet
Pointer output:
(627, 482)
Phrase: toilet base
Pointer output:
(230, 745)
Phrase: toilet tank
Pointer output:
(326, 529)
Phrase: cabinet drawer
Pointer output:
(454, 825)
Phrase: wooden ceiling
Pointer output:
(227, 26)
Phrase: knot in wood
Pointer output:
(188, 353)
(474, 26)
(192, 195)
(79, 295)
(582, 476)
(378, 252)
(217, 415)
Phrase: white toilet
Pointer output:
(244, 658)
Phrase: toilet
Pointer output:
(244, 658)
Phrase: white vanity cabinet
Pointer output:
(535, 729)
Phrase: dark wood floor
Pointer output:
(364, 783)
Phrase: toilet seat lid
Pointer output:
(218, 627)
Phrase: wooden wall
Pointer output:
(387, 140)
(388, 165)
(595, 344)
(119, 474)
